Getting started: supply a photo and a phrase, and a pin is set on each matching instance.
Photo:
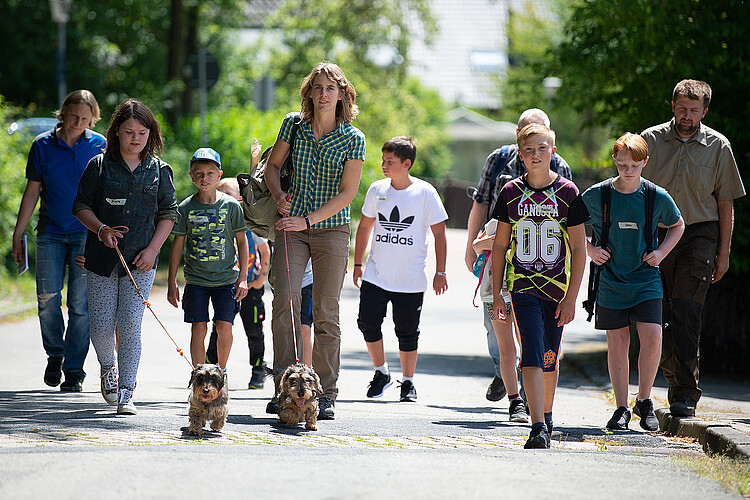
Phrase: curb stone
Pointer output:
(715, 437)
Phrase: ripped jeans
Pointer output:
(54, 254)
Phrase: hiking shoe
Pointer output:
(645, 410)
(620, 419)
(73, 383)
(538, 438)
(517, 411)
(109, 384)
(408, 392)
(125, 404)
(380, 382)
(53, 372)
(326, 409)
(273, 406)
(496, 391)
(682, 406)
(258, 378)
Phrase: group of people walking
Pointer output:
(108, 206)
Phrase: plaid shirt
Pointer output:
(487, 194)
(318, 166)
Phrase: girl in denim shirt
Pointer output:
(125, 186)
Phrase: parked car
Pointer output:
(32, 126)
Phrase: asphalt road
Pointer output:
(451, 443)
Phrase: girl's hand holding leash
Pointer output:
(109, 235)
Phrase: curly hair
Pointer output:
(346, 109)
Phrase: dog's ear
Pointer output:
(192, 377)
(318, 385)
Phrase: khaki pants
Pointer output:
(329, 251)
(687, 272)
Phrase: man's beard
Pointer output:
(686, 131)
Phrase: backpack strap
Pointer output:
(502, 160)
(650, 199)
(594, 270)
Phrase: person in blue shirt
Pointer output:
(56, 162)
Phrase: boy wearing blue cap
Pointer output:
(210, 222)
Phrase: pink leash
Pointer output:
(289, 283)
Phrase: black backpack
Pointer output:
(595, 270)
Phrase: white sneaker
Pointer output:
(125, 404)
(109, 384)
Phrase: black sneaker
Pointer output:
(645, 410)
(620, 419)
(496, 391)
(380, 382)
(72, 383)
(682, 406)
(53, 372)
(326, 409)
(408, 392)
(258, 377)
(538, 438)
(517, 411)
(273, 406)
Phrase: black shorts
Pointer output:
(648, 311)
(305, 312)
(195, 303)
(406, 307)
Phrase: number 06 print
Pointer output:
(538, 241)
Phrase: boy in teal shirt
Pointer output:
(630, 286)
(210, 223)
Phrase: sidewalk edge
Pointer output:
(717, 438)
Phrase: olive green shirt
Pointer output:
(698, 173)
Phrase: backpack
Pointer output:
(595, 270)
(258, 206)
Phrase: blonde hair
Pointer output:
(535, 129)
(80, 97)
(346, 110)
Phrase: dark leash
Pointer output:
(124, 229)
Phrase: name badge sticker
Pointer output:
(628, 225)
(116, 202)
(382, 198)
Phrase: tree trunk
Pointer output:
(176, 60)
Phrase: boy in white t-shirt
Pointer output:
(402, 210)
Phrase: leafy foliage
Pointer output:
(622, 58)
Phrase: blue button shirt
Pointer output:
(59, 168)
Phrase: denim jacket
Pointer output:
(119, 197)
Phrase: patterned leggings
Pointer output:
(113, 301)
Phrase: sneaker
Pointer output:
(408, 392)
(682, 406)
(109, 384)
(125, 404)
(620, 419)
(53, 372)
(538, 438)
(496, 391)
(258, 377)
(73, 383)
(549, 427)
(326, 409)
(380, 382)
(273, 406)
(517, 411)
(645, 410)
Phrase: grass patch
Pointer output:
(734, 475)
(17, 296)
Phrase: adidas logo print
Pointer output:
(393, 225)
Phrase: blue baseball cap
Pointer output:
(206, 154)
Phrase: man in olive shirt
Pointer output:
(695, 164)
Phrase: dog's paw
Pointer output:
(195, 432)
(311, 427)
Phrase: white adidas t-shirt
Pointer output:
(398, 255)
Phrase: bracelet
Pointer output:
(438, 273)
(307, 221)
(99, 232)
(357, 265)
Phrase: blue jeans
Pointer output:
(492, 346)
(55, 253)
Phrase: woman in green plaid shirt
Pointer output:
(327, 156)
